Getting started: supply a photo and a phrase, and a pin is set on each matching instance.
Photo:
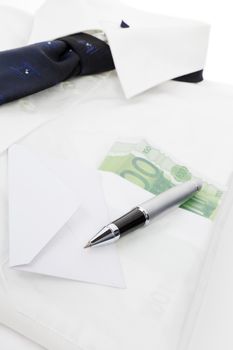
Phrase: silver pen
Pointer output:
(143, 213)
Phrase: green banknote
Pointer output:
(156, 172)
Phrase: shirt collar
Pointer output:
(154, 49)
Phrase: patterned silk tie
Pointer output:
(33, 68)
(36, 67)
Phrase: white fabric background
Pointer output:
(12, 341)
(219, 67)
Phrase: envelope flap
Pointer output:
(39, 205)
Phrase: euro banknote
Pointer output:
(156, 172)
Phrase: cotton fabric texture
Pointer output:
(80, 119)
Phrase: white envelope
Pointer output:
(55, 206)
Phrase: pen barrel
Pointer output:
(172, 198)
(140, 215)
(130, 221)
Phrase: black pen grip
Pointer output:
(130, 221)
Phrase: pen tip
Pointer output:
(87, 245)
(199, 184)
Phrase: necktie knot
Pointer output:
(30, 69)
(94, 54)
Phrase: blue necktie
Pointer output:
(33, 68)
(36, 67)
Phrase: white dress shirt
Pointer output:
(165, 47)
(81, 118)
